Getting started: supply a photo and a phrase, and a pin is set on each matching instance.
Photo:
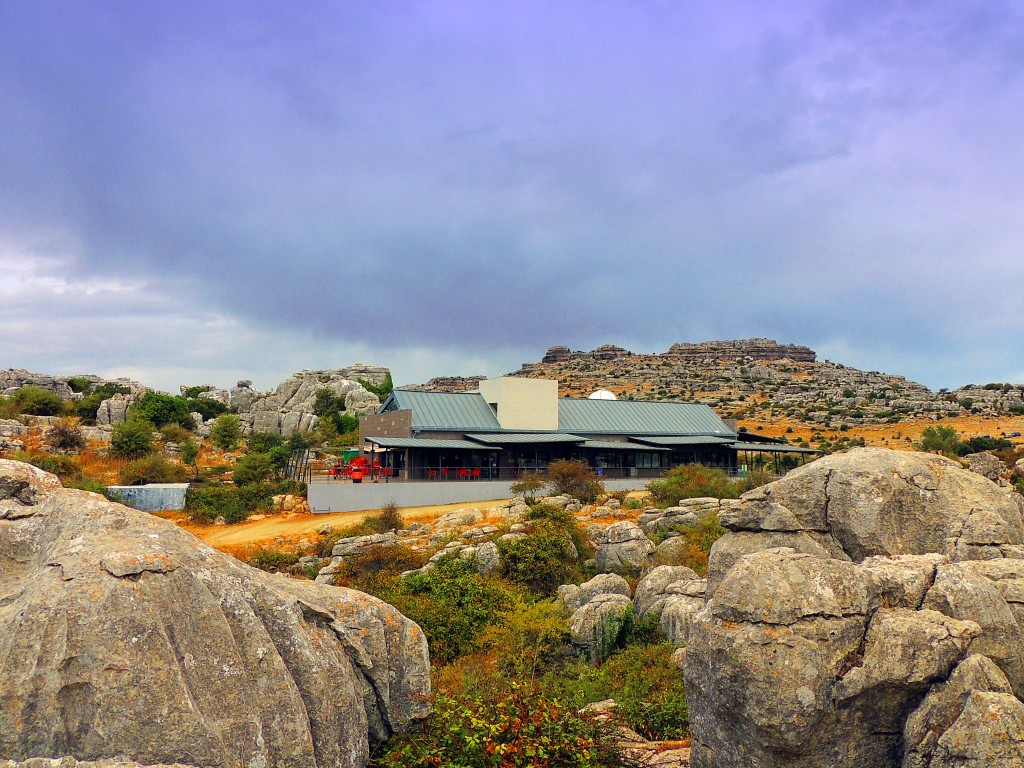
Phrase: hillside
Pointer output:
(778, 389)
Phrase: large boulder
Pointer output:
(123, 635)
(841, 601)
(624, 548)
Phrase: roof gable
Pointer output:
(445, 411)
(633, 417)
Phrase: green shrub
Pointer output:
(253, 468)
(940, 439)
(206, 503)
(540, 561)
(160, 409)
(528, 638)
(642, 679)
(690, 481)
(79, 384)
(269, 559)
(174, 433)
(151, 469)
(131, 439)
(226, 431)
(207, 408)
(453, 605)
(65, 467)
(38, 402)
(516, 727)
(263, 442)
(574, 479)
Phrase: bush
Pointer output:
(204, 504)
(226, 431)
(205, 407)
(151, 469)
(79, 384)
(690, 481)
(269, 559)
(38, 402)
(65, 467)
(574, 479)
(540, 561)
(160, 409)
(453, 605)
(174, 433)
(939, 439)
(131, 439)
(528, 638)
(66, 435)
(695, 545)
(253, 468)
(263, 442)
(513, 728)
(642, 679)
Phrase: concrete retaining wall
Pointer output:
(155, 497)
(343, 496)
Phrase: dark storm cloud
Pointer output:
(491, 177)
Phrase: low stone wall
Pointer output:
(155, 497)
(342, 496)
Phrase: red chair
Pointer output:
(347, 472)
(444, 473)
(387, 471)
(475, 474)
(462, 474)
(431, 474)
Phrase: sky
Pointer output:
(195, 192)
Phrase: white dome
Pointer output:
(602, 394)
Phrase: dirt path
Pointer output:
(290, 528)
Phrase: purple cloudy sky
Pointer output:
(199, 192)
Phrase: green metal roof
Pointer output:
(772, 448)
(631, 417)
(508, 438)
(469, 412)
(415, 442)
(674, 440)
(620, 445)
(446, 411)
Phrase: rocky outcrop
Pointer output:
(750, 349)
(123, 635)
(624, 547)
(865, 610)
(289, 408)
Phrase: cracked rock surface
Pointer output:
(866, 611)
(123, 636)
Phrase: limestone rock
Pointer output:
(624, 548)
(841, 601)
(595, 625)
(289, 408)
(985, 464)
(602, 584)
(123, 635)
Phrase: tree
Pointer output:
(253, 468)
(161, 409)
(528, 486)
(942, 440)
(131, 439)
(574, 479)
(190, 455)
(226, 431)
(691, 481)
